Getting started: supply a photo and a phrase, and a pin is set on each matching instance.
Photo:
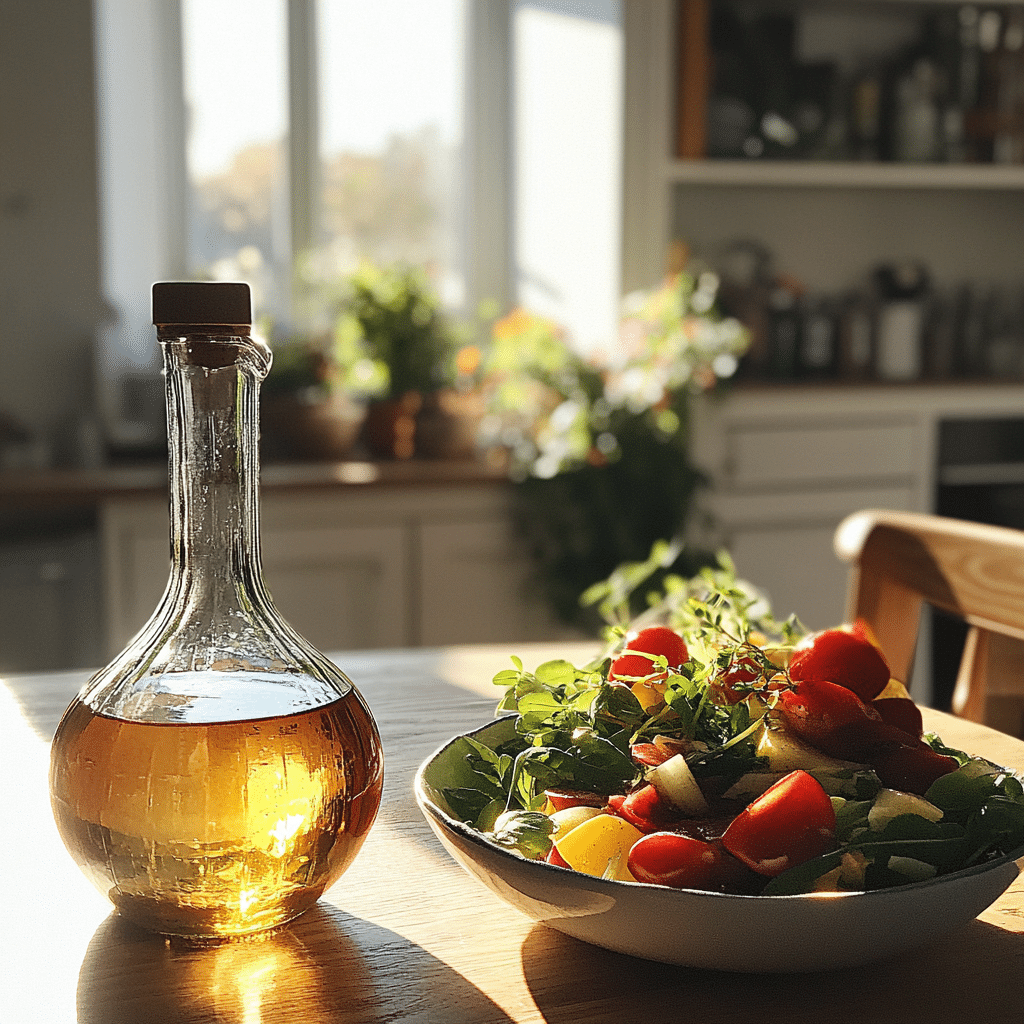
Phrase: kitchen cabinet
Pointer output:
(49, 601)
(353, 567)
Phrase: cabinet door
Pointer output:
(783, 544)
(49, 604)
(341, 587)
(796, 568)
(136, 565)
(474, 587)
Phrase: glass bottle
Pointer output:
(220, 773)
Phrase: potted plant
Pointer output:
(599, 450)
(315, 396)
(397, 315)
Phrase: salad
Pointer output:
(720, 749)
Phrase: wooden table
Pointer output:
(406, 935)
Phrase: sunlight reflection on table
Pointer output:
(55, 883)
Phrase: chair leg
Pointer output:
(988, 686)
(970, 690)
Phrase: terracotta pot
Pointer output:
(390, 428)
(322, 431)
(448, 425)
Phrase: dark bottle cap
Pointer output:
(201, 302)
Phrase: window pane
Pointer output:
(567, 138)
(391, 75)
(235, 71)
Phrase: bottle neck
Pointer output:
(212, 380)
(216, 638)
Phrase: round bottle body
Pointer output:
(212, 828)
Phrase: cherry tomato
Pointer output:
(659, 640)
(666, 858)
(913, 769)
(835, 720)
(645, 809)
(843, 657)
(731, 685)
(786, 825)
(901, 712)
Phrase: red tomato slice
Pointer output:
(734, 876)
(554, 857)
(901, 712)
(835, 720)
(843, 657)
(560, 799)
(666, 858)
(645, 808)
(913, 769)
(739, 672)
(649, 754)
(785, 826)
(658, 640)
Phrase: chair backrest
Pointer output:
(972, 571)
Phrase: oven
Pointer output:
(980, 477)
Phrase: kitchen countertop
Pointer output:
(85, 487)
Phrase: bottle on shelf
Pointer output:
(785, 327)
(819, 339)
(1008, 145)
(932, 84)
(916, 135)
(902, 290)
(856, 336)
(220, 773)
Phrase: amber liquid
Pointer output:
(216, 829)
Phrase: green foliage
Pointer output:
(396, 314)
(599, 449)
(529, 832)
(581, 524)
(297, 367)
(386, 336)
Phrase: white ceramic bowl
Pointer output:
(705, 929)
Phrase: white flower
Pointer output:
(565, 415)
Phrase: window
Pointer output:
(568, 150)
(279, 141)
(322, 134)
(235, 86)
(391, 135)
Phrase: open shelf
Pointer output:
(828, 174)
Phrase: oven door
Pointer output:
(980, 478)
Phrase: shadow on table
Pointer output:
(325, 966)
(974, 975)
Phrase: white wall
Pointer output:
(50, 297)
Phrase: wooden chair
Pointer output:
(972, 571)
